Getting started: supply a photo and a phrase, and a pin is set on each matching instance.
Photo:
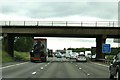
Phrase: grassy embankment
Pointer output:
(19, 56)
(5, 57)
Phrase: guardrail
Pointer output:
(61, 23)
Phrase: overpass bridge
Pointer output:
(87, 29)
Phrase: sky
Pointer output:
(58, 10)
(61, 10)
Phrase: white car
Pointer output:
(68, 54)
(81, 58)
(73, 55)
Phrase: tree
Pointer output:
(79, 49)
(23, 44)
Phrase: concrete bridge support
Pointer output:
(99, 41)
(8, 43)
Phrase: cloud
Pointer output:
(70, 42)
(61, 43)
(12, 17)
(36, 9)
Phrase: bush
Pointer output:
(21, 56)
(23, 44)
(110, 57)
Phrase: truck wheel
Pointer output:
(32, 60)
(118, 75)
(44, 60)
(111, 76)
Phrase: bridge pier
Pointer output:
(99, 41)
(8, 43)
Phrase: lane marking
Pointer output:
(100, 64)
(80, 68)
(41, 68)
(34, 73)
(13, 65)
(88, 74)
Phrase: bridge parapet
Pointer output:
(61, 23)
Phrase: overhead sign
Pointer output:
(106, 48)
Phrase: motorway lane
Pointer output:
(60, 70)
(21, 71)
(93, 70)
(57, 69)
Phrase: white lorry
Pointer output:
(68, 53)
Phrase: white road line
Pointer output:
(13, 65)
(46, 65)
(100, 64)
(80, 68)
(34, 73)
(41, 68)
(88, 74)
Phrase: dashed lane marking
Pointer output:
(88, 74)
(80, 68)
(41, 68)
(13, 65)
(34, 73)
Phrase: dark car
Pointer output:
(115, 68)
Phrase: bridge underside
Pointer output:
(85, 32)
(100, 39)
(65, 35)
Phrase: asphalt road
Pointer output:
(56, 68)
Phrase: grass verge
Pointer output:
(18, 56)
(5, 57)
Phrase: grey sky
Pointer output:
(103, 10)
(35, 9)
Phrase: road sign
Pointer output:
(106, 48)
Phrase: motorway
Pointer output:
(56, 68)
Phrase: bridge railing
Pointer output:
(61, 23)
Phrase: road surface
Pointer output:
(56, 68)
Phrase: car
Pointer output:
(68, 54)
(81, 53)
(81, 58)
(115, 67)
(73, 55)
(58, 55)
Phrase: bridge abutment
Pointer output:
(99, 41)
(8, 43)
